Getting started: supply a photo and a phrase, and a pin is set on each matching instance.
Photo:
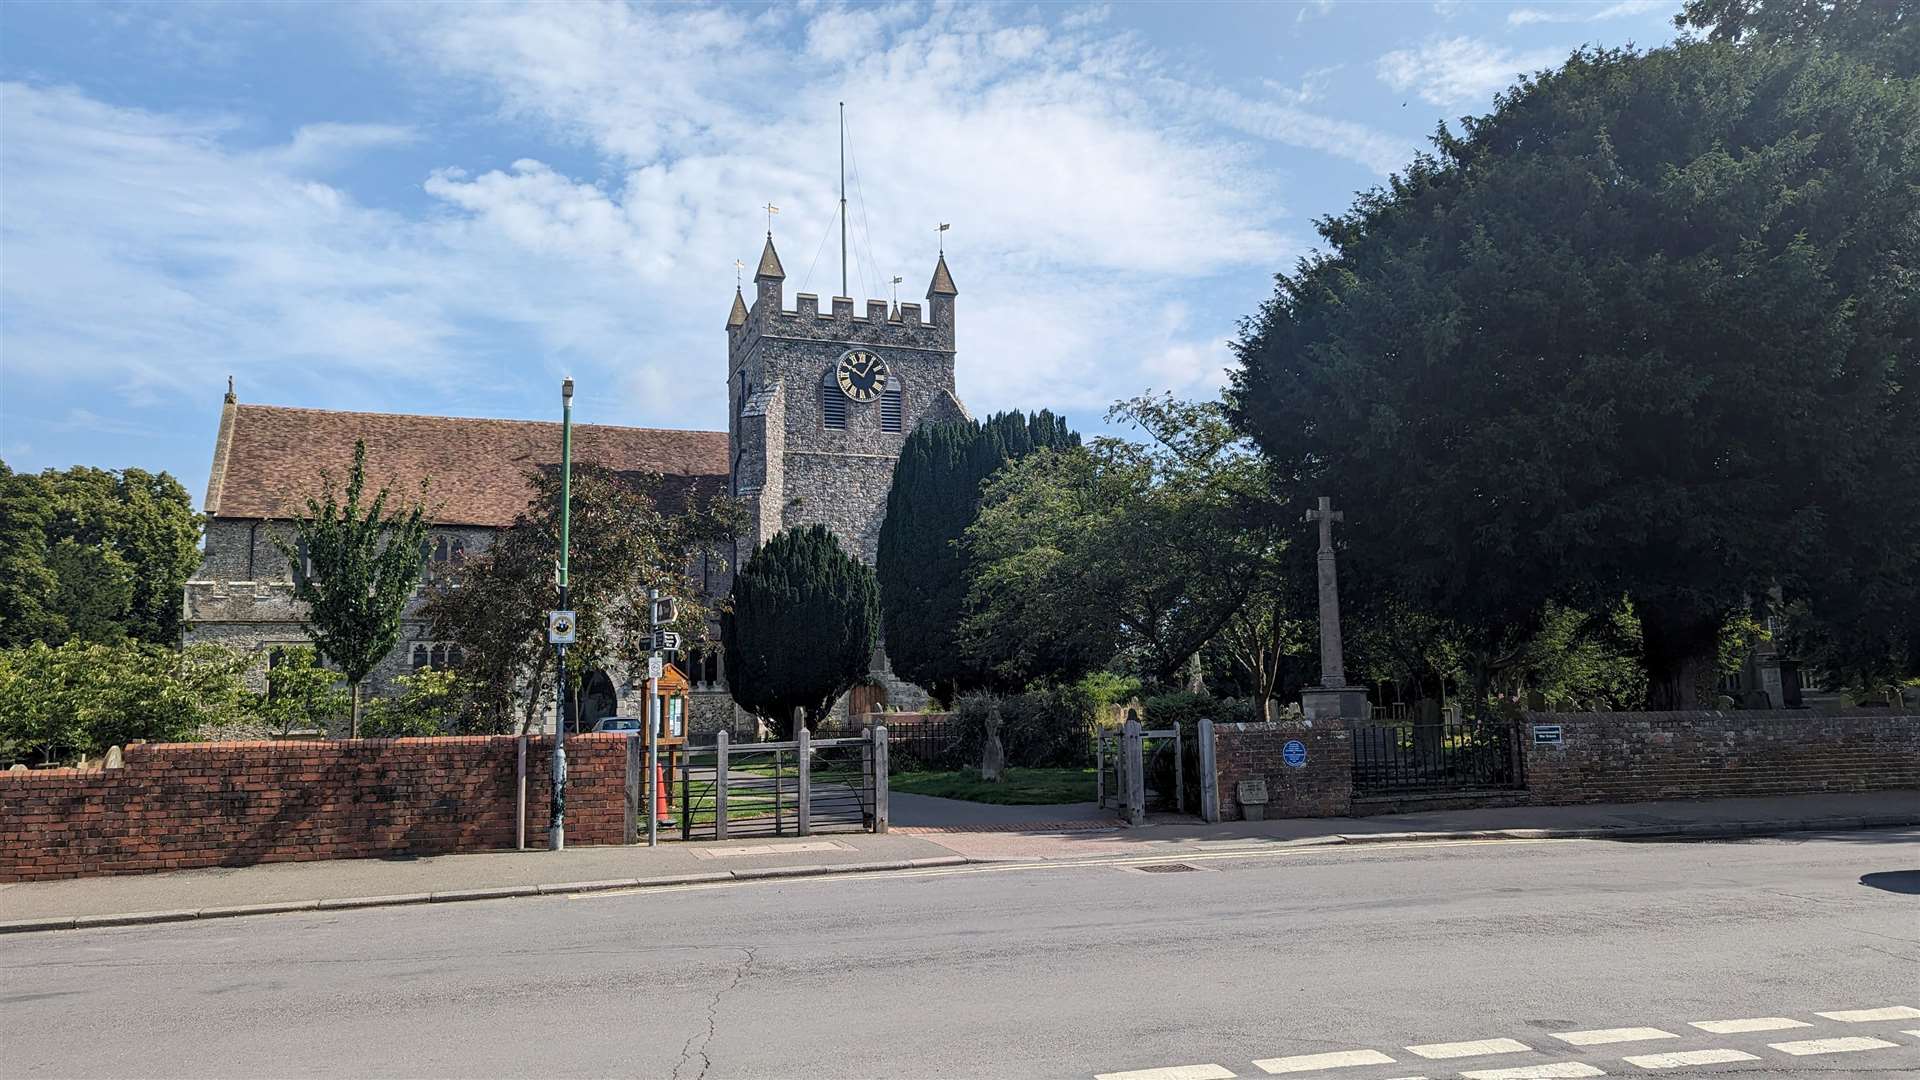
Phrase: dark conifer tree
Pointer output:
(802, 626)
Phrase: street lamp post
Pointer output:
(557, 824)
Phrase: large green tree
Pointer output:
(354, 566)
(1140, 552)
(95, 555)
(801, 628)
(1648, 329)
(921, 563)
(1884, 33)
(625, 539)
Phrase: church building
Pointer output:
(819, 405)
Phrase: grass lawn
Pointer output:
(1019, 787)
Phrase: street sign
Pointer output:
(656, 667)
(666, 641)
(560, 628)
(1547, 735)
(665, 611)
(1294, 753)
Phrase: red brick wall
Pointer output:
(182, 805)
(1323, 787)
(1632, 757)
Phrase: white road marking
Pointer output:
(1915, 1034)
(1682, 1058)
(1830, 1046)
(1556, 1071)
(1603, 1036)
(1469, 1049)
(1172, 1072)
(1758, 1023)
(1866, 1016)
(1309, 1062)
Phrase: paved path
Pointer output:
(1475, 960)
(928, 811)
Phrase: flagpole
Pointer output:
(843, 200)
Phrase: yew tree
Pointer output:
(1647, 330)
(801, 628)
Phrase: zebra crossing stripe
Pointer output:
(1867, 1016)
(1559, 1070)
(1603, 1036)
(1830, 1046)
(1312, 1062)
(1476, 1048)
(1679, 1059)
(1757, 1023)
(1172, 1072)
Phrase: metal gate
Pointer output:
(1414, 757)
(798, 787)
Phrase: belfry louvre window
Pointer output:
(892, 409)
(833, 405)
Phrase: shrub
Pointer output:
(425, 706)
(77, 699)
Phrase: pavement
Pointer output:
(943, 832)
(1469, 959)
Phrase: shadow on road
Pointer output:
(1904, 882)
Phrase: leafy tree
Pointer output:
(802, 627)
(301, 692)
(426, 705)
(355, 567)
(1884, 33)
(921, 563)
(1646, 330)
(1144, 551)
(95, 554)
(59, 703)
(624, 542)
(29, 610)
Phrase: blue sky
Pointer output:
(446, 208)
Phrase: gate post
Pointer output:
(1179, 771)
(880, 778)
(803, 800)
(1209, 775)
(866, 775)
(630, 833)
(1134, 809)
(720, 785)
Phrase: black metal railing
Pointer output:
(926, 744)
(1414, 757)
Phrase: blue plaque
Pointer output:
(1294, 753)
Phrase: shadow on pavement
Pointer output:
(1904, 882)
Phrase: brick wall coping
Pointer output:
(1260, 726)
(1741, 715)
(138, 750)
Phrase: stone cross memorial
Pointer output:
(1333, 697)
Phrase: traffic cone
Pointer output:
(660, 797)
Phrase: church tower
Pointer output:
(820, 403)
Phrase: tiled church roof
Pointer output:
(268, 458)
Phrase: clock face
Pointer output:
(862, 375)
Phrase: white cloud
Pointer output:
(1089, 182)
(1585, 12)
(1451, 70)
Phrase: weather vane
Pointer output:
(896, 291)
(737, 267)
(942, 233)
(771, 210)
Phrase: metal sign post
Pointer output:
(560, 631)
(659, 612)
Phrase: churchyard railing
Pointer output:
(1413, 757)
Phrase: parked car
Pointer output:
(625, 724)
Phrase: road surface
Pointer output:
(1463, 959)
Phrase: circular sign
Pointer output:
(1294, 753)
(861, 375)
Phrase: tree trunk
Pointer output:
(353, 722)
(1680, 645)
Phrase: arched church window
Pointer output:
(419, 657)
(833, 404)
(439, 658)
